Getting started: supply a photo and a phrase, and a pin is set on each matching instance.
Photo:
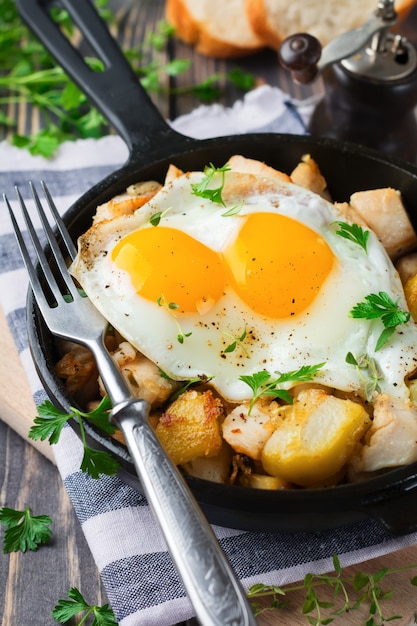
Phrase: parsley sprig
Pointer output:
(50, 421)
(355, 233)
(29, 76)
(65, 610)
(348, 594)
(368, 371)
(264, 384)
(202, 189)
(381, 306)
(24, 531)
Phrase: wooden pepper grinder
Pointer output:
(370, 79)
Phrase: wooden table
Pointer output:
(31, 584)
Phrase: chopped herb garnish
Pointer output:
(381, 306)
(214, 194)
(172, 306)
(354, 233)
(156, 217)
(264, 384)
(368, 371)
(237, 341)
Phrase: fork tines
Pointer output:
(53, 286)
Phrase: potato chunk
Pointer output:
(315, 438)
(384, 212)
(189, 428)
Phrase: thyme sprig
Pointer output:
(348, 593)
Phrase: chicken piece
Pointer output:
(307, 174)
(349, 214)
(142, 376)
(384, 213)
(247, 434)
(238, 163)
(78, 368)
(127, 203)
(392, 438)
(407, 266)
(189, 428)
(173, 172)
(314, 438)
(215, 468)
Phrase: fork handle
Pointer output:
(214, 591)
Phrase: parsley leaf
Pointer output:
(202, 189)
(24, 531)
(354, 233)
(381, 306)
(50, 421)
(264, 384)
(65, 610)
(368, 371)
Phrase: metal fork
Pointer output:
(214, 591)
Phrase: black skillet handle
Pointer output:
(116, 91)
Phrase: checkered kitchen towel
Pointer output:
(141, 582)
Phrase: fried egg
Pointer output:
(261, 282)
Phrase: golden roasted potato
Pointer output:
(189, 428)
(314, 438)
(410, 291)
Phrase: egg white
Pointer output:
(324, 332)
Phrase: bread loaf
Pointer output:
(232, 28)
(274, 20)
(217, 28)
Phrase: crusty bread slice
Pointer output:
(216, 28)
(274, 20)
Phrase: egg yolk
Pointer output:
(171, 268)
(277, 264)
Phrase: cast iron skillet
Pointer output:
(390, 498)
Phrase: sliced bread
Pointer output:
(274, 20)
(216, 28)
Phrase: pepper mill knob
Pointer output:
(300, 54)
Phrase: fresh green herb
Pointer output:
(354, 233)
(214, 194)
(236, 341)
(50, 421)
(381, 306)
(65, 610)
(366, 588)
(368, 371)
(29, 75)
(264, 384)
(24, 531)
(172, 306)
(188, 383)
(156, 217)
(234, 210)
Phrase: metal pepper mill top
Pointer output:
(370, 80)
